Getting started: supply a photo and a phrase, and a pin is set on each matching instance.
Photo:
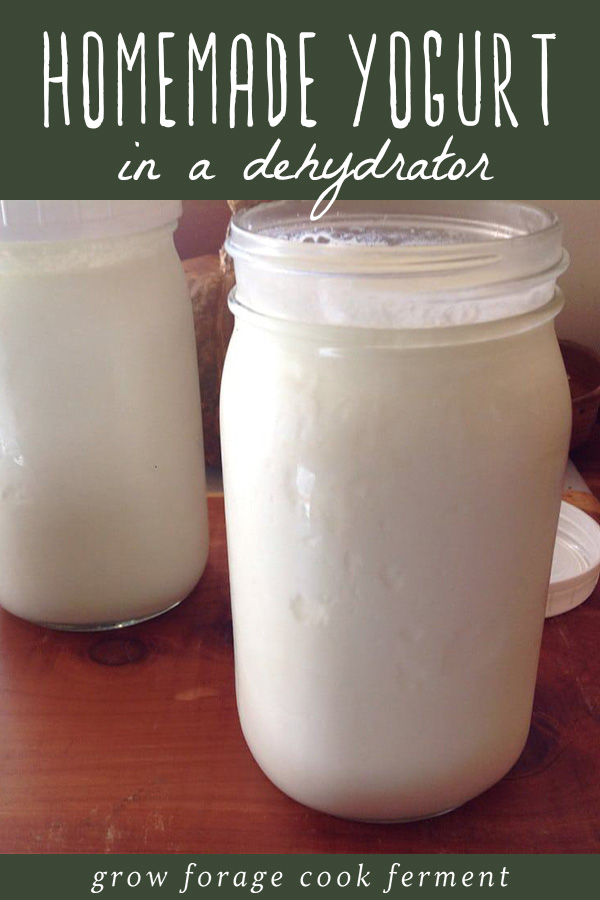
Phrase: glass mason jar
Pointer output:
(103, 516)
(395, 424)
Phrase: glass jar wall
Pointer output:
(103, 516)
(395, 424)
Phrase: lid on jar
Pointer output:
(60, 220)
(576, 561)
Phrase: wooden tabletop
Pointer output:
(129, 742)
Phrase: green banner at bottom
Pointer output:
(165, 877)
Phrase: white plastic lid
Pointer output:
(576, 561)
(60, 220)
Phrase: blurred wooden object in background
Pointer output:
(583, 369)
(236, 205)
(202, 227)
(210, 278)
(209, 286)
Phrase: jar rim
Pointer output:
(482, 241)
(426, 336)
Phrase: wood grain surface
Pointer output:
(129, 742)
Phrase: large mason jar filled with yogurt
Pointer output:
(103, 511)
(395, 425)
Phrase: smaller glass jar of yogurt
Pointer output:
(103, 517)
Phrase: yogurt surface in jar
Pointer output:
(392, 491)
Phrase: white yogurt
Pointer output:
(102, 496)
(392, 498)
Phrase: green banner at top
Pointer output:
(317, 99)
